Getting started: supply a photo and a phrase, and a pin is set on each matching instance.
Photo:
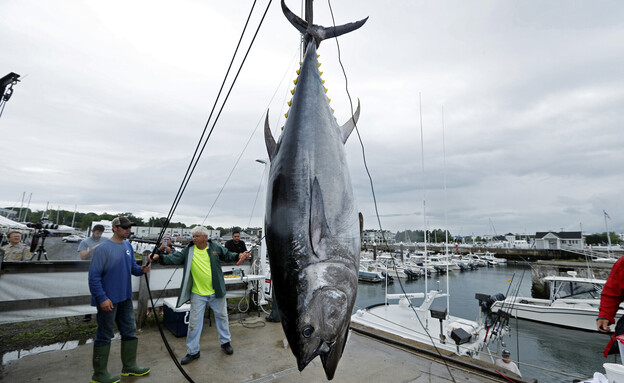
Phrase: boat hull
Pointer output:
(581, 316)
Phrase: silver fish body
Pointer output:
(312, 224)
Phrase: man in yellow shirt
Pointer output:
(202, 284)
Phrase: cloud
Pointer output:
(114, 99)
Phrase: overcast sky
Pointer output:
(115, 94)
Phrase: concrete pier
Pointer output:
(260, 355)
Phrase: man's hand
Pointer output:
(145, 269)
(242, 257)
(107, 305)
(153, 257)
(603, 325)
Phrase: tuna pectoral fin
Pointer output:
(318, 222)
(347, 128)
(268, 138)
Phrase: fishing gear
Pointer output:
(194, 161)
(6, 86)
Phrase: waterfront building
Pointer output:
(550, 240)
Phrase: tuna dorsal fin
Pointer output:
(318, 32)
(347, 128)
(319, 230)
(268, 138)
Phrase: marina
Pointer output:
(546, 352)
(353, 306)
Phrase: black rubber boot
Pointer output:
(100, 361)
(128, 358)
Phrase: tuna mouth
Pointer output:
(323, 349)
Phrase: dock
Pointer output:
(261, 354)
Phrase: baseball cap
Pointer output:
(122, 221)
(506, 352)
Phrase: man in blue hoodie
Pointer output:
(111, 292)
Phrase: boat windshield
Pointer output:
(576, 290)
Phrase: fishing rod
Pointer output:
(193, 163)
(197, 153)
(499, 311)
(505, 310)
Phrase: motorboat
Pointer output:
(573, 303)
(491, 258)
(433, 327)
(368, 273)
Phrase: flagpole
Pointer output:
(608, 236)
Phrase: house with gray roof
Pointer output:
(550, 240)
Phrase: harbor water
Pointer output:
(553, 350)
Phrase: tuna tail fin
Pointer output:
(268, 138)
(347, 128)
(318, 32)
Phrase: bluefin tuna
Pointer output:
(312, 224)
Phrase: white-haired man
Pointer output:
(202, 283)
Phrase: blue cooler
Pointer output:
(176, 319)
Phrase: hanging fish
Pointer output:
(312, 224)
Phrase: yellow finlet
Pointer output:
(286, 115)
(295, 80)
(290, 102)
(298, 70)
(323, 88)
(320, 73)
(328, 99)
(292, 91)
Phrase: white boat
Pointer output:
(368, 272)
(419, 323)
(573, 303)
(491, 257)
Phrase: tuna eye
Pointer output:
(307, 331)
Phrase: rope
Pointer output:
(2, 105)
(193, 163)
(373, 186)
(260, 120)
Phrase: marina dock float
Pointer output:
(260, 356)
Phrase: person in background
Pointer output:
(235, 244)
(110, 284)
(88, 245)
(202, 284)
(166, 247)
(15, 250)
(86, 248)
(610, 298)
(506, 362)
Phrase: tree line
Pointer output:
(81, 221)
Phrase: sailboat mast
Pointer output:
(422, 156)
(448, 302)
